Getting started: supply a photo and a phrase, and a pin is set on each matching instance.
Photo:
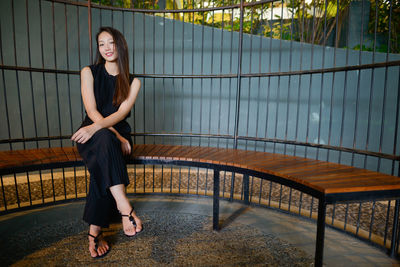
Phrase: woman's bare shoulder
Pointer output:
(86, 73)
(136, 82)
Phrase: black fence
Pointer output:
(238, 74)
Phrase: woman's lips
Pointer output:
(109, 54)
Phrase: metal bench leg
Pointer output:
(394, 231)
(246, 189)
(216, 201)
(319, 247)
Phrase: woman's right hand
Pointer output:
(85, 133)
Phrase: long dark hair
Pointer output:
(122, 84)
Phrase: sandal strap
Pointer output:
(130, 217)
(96, 238)
(130, 213)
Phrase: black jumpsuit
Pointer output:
(102, 153)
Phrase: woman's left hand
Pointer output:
(125, 145)
(85, 133)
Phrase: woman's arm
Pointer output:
(89, 99)
(85, 133)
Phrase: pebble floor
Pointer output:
(177, 232)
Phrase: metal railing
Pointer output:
(205, 83)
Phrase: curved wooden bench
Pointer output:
(328, 182)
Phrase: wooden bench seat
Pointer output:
(328, 182)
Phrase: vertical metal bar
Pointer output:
(333, 78)
(216, 200)
(79, 54)
(310, 86)
(220, 84)
(249, 79)
(4, 194)
(230, 80)
(278, 93)
(183, 67)
(154, 85)
(173, 66)
(112, 15)
(386, 223)
(371, 87)
(144, 95)
(246, 189)
(251, 188)
(344, 110)
(68, 77)
(385, 86)
(346, 214)
(332, 90)
(394, 230)
(372, 220)
(134, 106)
(201, 80)
(358, 84)
(232, 186)
(52, 185)
(259, 78)
(16, 190)
(191, 92)
(270, 193)
(86, 178)
(239, 77)
(90, 29)
(4, 92)
(319, 246)
(269, 78)
(300, 202)
(16, 75)
(322, 80)
(311, 206)
(344, 96)
(358, 217)
(29, 188)
(41, 185)
(76, 188)
(30, 77)
(56, 75)
(288, 95)
(43, 77)
(299, 87)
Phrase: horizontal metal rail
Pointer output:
(227, 137)
(218, 76)
(142, 10)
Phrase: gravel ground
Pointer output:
(192, 180)
(177, 239)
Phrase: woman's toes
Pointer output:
(93, 252)
(130, 231)
(139, 226)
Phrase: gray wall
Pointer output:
(321, 108)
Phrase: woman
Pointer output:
(109, 93)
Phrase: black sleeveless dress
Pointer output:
(102, 153)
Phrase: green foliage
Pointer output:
(314, 21)
(381, 11)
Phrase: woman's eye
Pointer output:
(101, 44)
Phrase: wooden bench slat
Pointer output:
(323, 176)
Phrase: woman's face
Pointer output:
(107, 47)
